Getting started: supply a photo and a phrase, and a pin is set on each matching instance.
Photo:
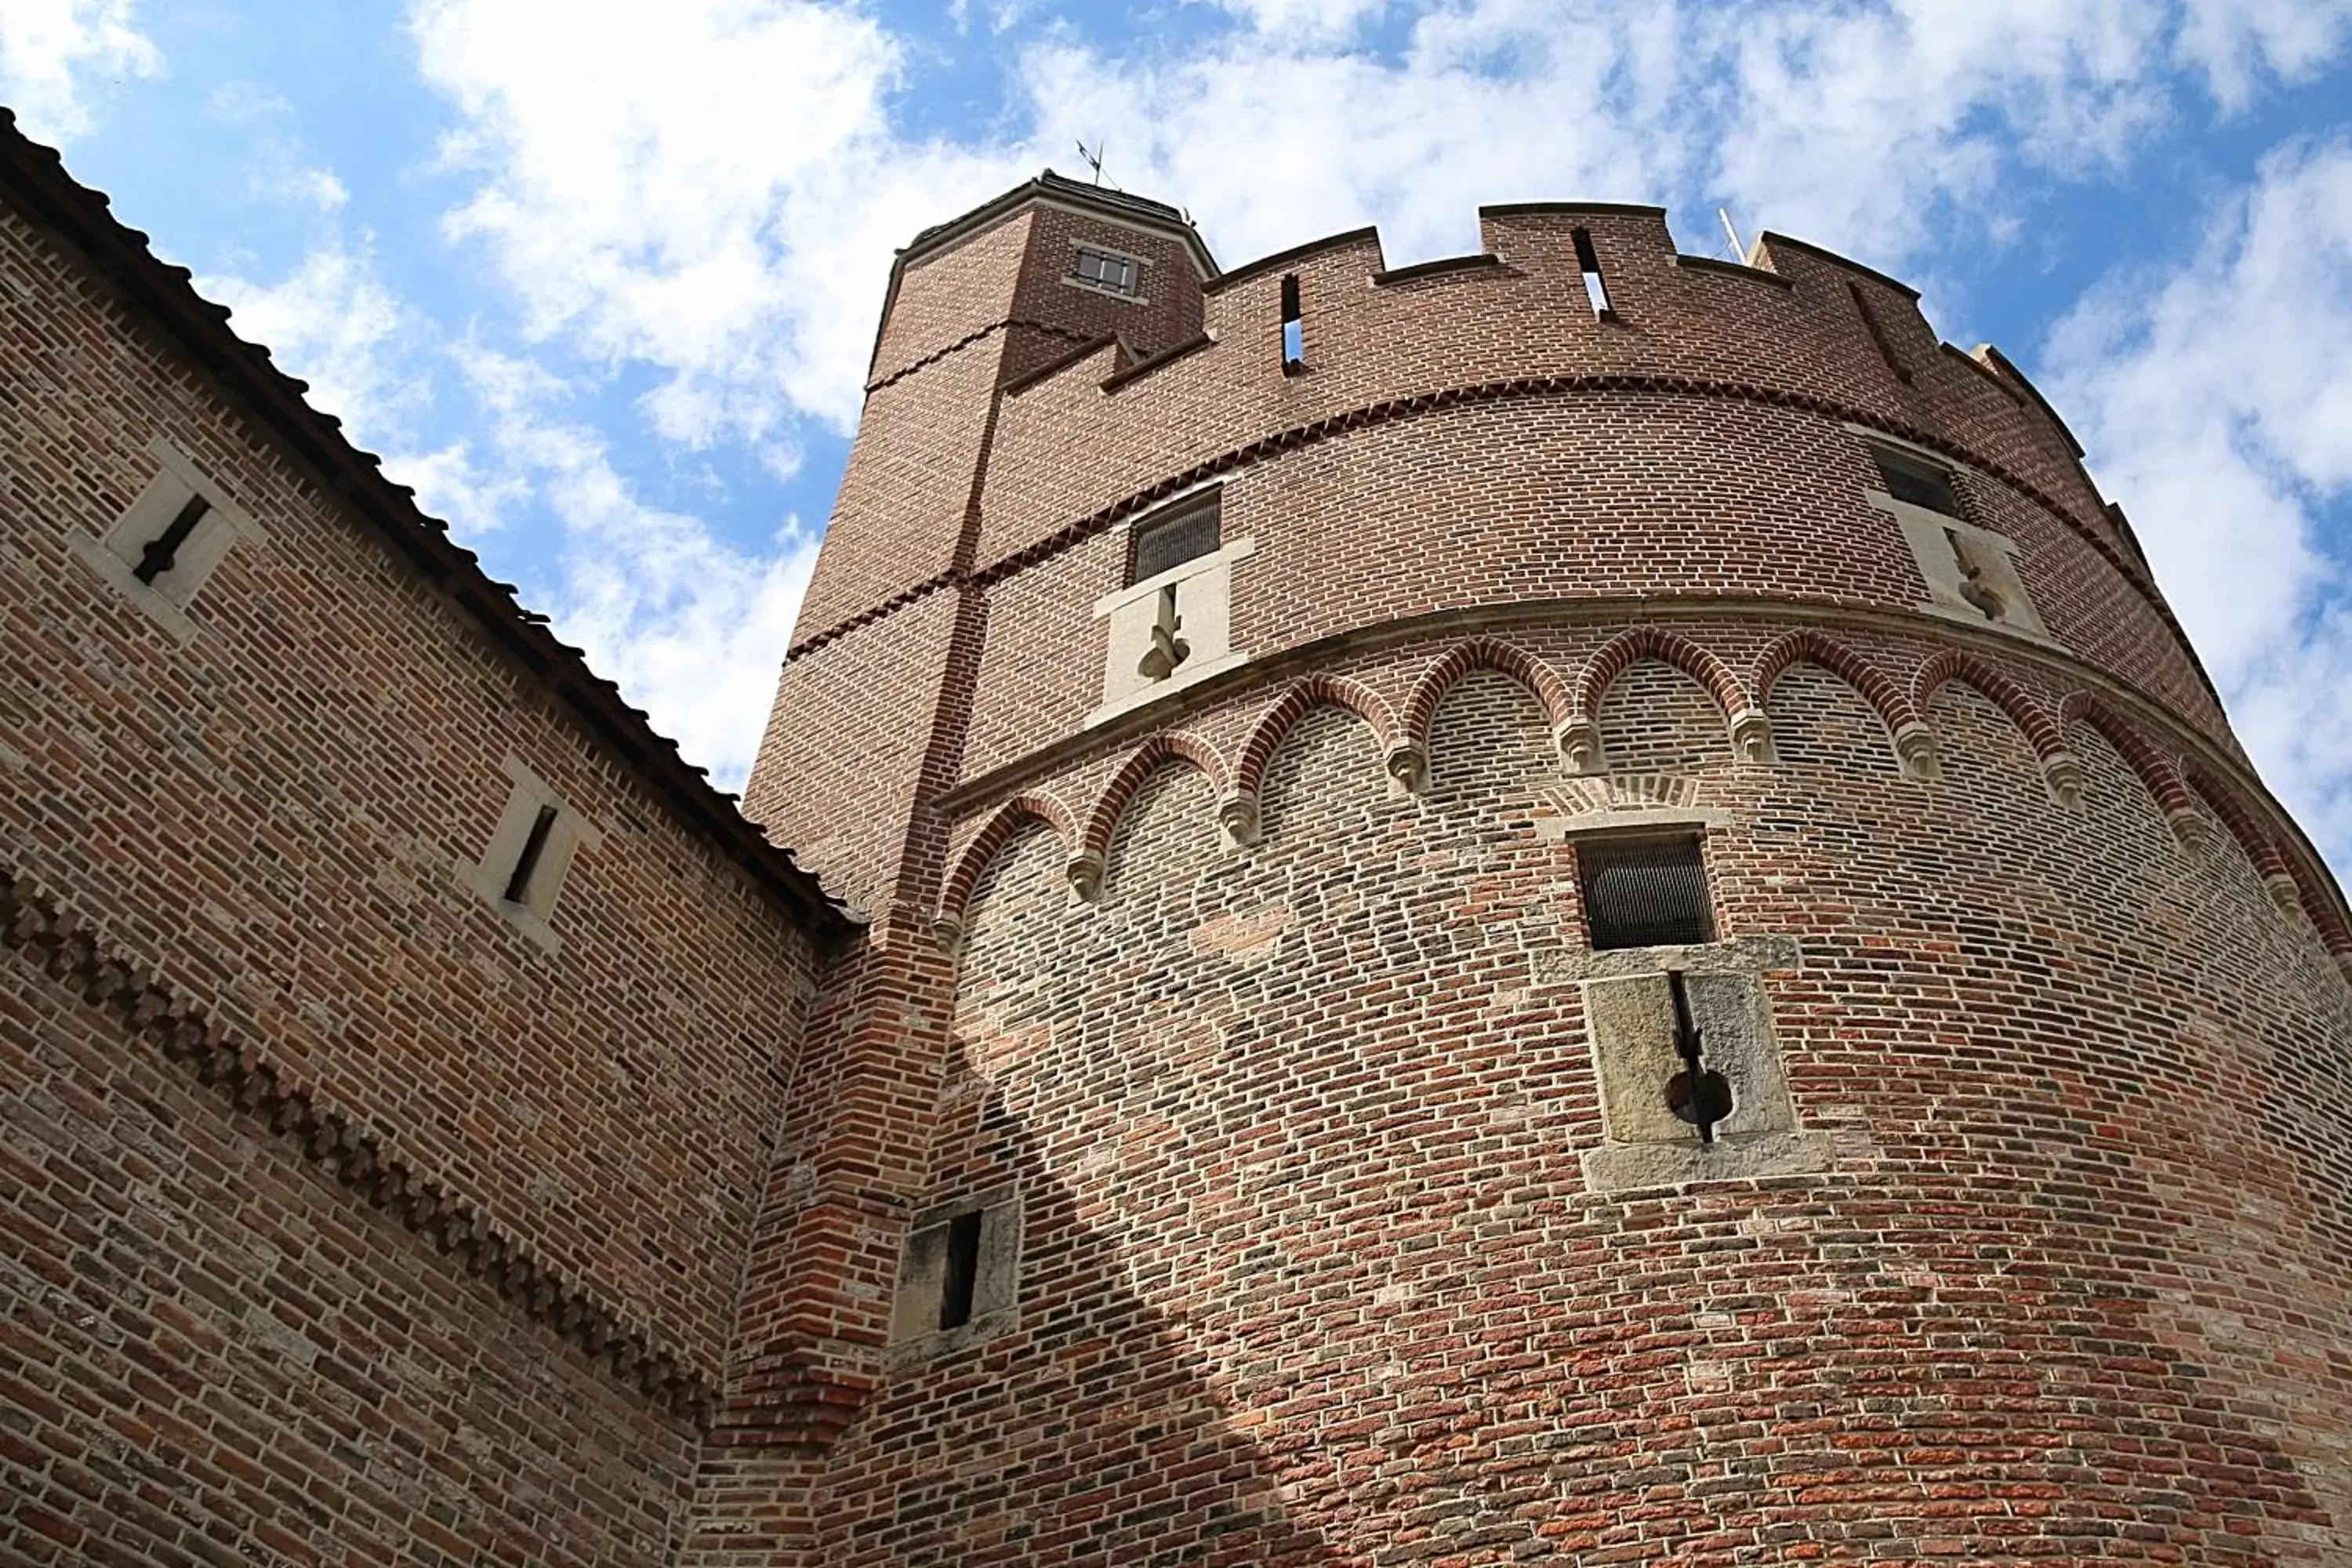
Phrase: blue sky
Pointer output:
(600, 278)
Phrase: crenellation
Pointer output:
(1606, 854)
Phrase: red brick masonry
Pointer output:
(346, 1216)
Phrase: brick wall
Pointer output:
(216, 1353)
(1312, 1274)
(1298, 1098)
(269, 829)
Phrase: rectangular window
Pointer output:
(1646, 892)
(1175, 540)
(1104, 269)
(962, 1270)
(1293, 328)
(526, 864)
(1917, 481)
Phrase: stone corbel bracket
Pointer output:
(1914, 745)
(2191, 826)
(352, 1152)
(1408, 765)
(1238, 814)
(2061, 772)
(1579, 741)
(1751, 737)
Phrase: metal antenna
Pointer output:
(1738, 251)
(1093, 159)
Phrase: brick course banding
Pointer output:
(1268, 996)
(1321, 1183)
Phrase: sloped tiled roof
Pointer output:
(36, 181)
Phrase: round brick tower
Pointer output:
(1577, 904)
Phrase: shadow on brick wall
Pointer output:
(1093, 1430)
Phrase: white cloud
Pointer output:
(2214, 400)
(1877, 126)
(711, 186)
(1884, 129)
(454, 484)
(280, 168)
(691, 629)
(2236, 42)
(53, 51)
(1316, 19)
(1272, 142)
(336, 324)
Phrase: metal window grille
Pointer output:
(1921, 484)
(1179, 539)
(1645, 893)
(1103, 270)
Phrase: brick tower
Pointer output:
(1573, 903)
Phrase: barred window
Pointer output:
(1175, 540)
(1645, 892)
(1106, 270)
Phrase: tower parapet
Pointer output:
(1567, 852)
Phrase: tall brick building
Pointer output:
(1574, 904)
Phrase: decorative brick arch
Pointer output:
(2292, 886)
(1314, 692)
(1408, 755)
(1085, 867)
(2033, 720)
(1481, 653)
(1580, 737)
(2260, 848)
(1239, 810)
(1622, 652)
(2312, 892)
(2155, 772)
(1806, 645)
(2061, 770)
(1914, 744)
(1003, 824)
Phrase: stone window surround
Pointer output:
(116, 556)
(915, 1335)
(1643, 1144)
(1924, 529)
(1210, 637)
(570, 833)
(1140, 265)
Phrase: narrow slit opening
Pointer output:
(1877, 333)
(533, 847)
(963, 1271)
(164, 550)
(1294, 327)
(1588, 262)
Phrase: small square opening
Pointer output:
(1645, 892)
(1173, 540)
(1916, 482)
(1106, 270)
